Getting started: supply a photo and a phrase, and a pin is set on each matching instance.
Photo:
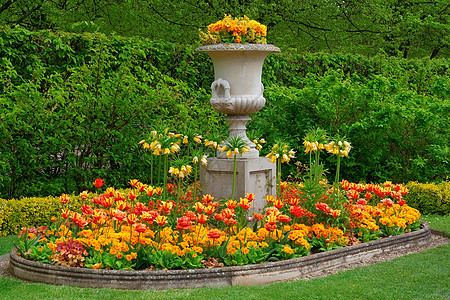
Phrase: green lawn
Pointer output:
(422, 275)
(416, 276)
(7, 243)
(438, 222)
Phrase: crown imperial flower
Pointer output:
(234, 30)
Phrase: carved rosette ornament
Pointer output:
(237, 90)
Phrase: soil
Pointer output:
(437, 239)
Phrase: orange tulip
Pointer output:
(84, 195)
(131, 219)
(244, 203)
(209, 210)
(132, 195)
(227, 213)
(202, 219)
(167, 207)
(199, 207)
(150, 191)
(278, 203)
(250, 197)
(207, 198)
(64, 198)
(134, 182)
(231, 204)
(161, 220)
(65, 213)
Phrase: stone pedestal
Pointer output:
(237, 128)
(253, 175)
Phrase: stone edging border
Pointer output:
(265, 273)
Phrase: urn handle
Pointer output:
(220, 89)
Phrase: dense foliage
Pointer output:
(74, 107)
(429, 198)
(407, 28)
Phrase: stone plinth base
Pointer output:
(253, 175)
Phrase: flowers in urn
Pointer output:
(234, 30)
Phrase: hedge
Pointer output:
(429, 198)
(31, 212)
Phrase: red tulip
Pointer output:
(98, 183)
(131, 219)
(183, 223)
(65, 213)
(214, 234)
(140, 227)
(284, 218)
(297, 211)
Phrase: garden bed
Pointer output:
(265, 273)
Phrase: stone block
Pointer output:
(253, 175)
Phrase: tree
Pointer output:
(410, 28)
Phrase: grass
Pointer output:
(437, 222)
(421, 275)
(7, 243)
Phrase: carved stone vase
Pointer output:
(237, 90)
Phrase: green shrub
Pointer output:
(31, 212)
(74, 108)
(396, 134)
(429, 198)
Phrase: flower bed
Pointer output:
(138, 231)
(265, 273)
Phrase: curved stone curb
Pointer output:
(265, 273)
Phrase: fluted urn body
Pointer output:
(237, 90)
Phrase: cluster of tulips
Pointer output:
(134, 229)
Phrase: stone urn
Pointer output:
(237, 90)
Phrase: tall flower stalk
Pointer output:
(340, 148)
(180, 171)
(163, 144)
(314, 142)
(280, 153)
(203, 161)
(235, 146)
